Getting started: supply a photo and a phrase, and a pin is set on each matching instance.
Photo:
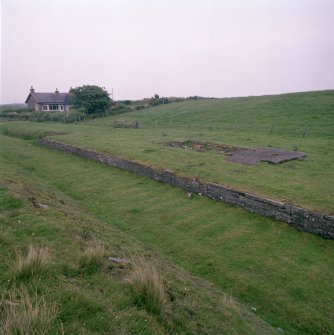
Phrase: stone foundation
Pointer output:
(297, 217)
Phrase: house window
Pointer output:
(53, 107)
(61, 107)
(45, 107)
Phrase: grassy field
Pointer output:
(275, 275)
(38, 208)
(301, 121)
(223, 270)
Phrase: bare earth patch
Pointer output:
(257, 155)
(242, 155)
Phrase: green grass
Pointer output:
(23, 313)
(99, 301)
(33, 263)
(93, 258)
(8, 202)
(301, 121)
(147, 286)
(204, 249)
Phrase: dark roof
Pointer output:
(43, 98)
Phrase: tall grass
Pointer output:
(93, 257)
(22, 314)
(35, 261)
(147, 286)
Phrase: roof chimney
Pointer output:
(32, 90)
(57, 92)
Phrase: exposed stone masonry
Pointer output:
(297, 217)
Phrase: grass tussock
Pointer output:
(22, 314)
(93, 257)
(35, 261)
(147, 286)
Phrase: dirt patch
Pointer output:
(201, 146)
(270, 155)
(241, 155)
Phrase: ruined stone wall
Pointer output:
(297, 217)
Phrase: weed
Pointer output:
(23, 314)
(8, 202)
(92, 258)
(35, 261)
(305, 132)
(147, 286)
(271, 129)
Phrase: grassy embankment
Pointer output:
(283, 276)
(54, 270)
(301, 121)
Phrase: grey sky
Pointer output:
(170, 47)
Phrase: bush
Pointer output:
(91, 99)
(147, 286)
(21, 314)
(44, 116)
(139, 107)
(120, 109)
(125, 102)
(65, 117)
(125, 124)
(156, 100)
(75, 115)
(15, 113)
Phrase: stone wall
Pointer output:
(297, 217)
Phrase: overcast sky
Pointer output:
(215, 48)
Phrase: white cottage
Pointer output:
(48, 102)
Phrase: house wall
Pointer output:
(297, 217)
(32, 104)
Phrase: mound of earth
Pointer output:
(242, 155)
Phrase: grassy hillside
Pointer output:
(277, 277)
(301, 121)
(287, 114)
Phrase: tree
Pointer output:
(91, 99)
(156, 100)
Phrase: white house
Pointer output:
(48, 102)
